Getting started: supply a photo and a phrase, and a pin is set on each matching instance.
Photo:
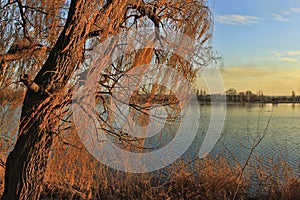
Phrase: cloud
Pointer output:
(288, 59)
(237, 19)
(293, 53)
(276, 53)
(288, 56)
(283, 16)
(291, 10)
(245, 71)
(295, 10)
(280, 18)
(275, 57)
(273, 81)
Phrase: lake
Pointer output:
(278, 123)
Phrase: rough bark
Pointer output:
(26, 164)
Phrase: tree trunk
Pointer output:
(26, 164)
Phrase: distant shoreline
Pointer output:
(249, 98)
(240, 103)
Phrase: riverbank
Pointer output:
(212, 179)
(208, 179)
(245, 103)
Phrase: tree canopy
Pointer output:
(47, 46)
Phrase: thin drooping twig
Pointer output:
(254, 146)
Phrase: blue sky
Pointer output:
(259, 41)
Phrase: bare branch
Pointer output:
(2, 66)
(23, 52)
(150, 11)
(2, 163)
(94, 33)
(26, 79)
(20, 5)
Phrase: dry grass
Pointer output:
(72, 173)
(277, 181)
(208, 179)
(214, 179)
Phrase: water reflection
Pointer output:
(245, 123)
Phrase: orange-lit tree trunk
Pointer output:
(26, 164)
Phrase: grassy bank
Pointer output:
(207, 179)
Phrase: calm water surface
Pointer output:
(279, 124)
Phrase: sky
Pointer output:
(259, 42)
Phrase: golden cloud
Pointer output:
(273, 81)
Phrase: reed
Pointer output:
(74, 174)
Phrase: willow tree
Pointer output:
(44, 43)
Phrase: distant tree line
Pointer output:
(232, 95)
